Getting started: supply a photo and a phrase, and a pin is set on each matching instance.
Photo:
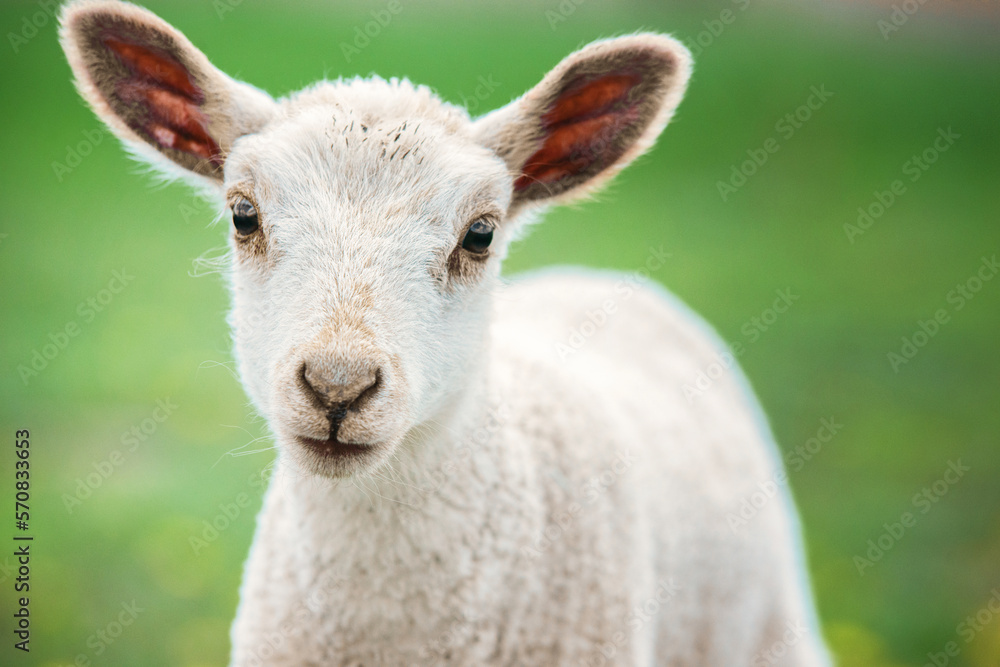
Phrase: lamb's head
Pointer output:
(368, 218)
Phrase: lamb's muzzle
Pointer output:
(339, 392)
(338, 409)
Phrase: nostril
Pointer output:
(367, 392)
(310, 384)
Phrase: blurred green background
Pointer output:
(75, 210)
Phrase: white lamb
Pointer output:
(455, 483)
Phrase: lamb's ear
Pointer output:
(589, 117)
(155, 90)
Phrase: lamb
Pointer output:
(452, 486)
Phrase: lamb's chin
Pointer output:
(334, 458)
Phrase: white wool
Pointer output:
(522, 497)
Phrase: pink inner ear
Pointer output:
(581, 128)
(169, 101)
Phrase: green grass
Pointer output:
(826, 357)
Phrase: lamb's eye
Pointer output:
(245, 217)
(478, 238)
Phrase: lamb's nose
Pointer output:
(340, 389)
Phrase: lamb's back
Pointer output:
(610, 366)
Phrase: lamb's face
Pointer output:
(357, 309)
(363, 210)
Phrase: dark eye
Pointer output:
(245, 217)
(478, 238)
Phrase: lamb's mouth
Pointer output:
(334, 448)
